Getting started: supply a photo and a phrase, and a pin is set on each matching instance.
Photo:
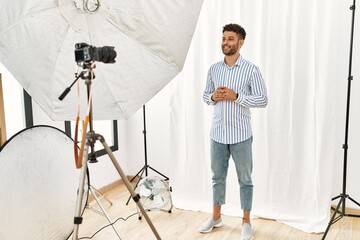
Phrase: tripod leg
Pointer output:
(165, 177)
(354, 201)
(99, 195)
(333, 217)
(137, 183)
(105, 214)
(135, 196)
(141, 171)
(357, 203)
(78, 217)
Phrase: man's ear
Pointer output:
(241, 42)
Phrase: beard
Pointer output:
(231, 50)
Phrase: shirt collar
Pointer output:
(237, 63)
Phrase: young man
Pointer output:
(233, 86)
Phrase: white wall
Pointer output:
(13, 103)
(157, 136)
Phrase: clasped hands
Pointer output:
(224, 93)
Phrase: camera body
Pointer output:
(86, 53)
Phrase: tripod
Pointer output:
(92, 159)
(343, 196)
(146, 166)
(91, 138)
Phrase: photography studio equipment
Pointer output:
(147, 59)
(85, 55)
(89, 139)
(49, 30)
(38, 185)
(340, 210)
(145, 168)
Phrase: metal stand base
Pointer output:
(90, 139)
(340, 214)
(97, 197)
(146, 166)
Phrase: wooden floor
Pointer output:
(183, 225)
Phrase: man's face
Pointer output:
(231, 43)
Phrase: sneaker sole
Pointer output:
(215, 226)
(247, 238)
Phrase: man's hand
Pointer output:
(224, 93)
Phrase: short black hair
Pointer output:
(233, 27)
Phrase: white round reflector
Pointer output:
(38, 185)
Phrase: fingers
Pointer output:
(224, 93)
(220, 94)
(222, 90)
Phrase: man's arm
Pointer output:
(209, 90)
(258, 96)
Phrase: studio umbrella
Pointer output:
(151, 39)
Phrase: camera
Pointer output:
(87, 53)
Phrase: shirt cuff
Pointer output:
(211, 100)
(240, 98)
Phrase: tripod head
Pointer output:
(88, 75)
(85, 57)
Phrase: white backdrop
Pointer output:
(302, 48)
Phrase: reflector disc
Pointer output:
(38, 185)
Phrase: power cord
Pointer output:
(124, 219)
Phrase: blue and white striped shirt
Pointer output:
(231, 121)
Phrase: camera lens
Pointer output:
(106, 54)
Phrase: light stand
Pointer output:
(91, 138)
(343, 196)
(97, 197)
(146, 166)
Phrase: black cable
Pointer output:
(124, 219)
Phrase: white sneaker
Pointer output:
(246, 232)
(210, 224)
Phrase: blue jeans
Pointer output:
(242, 156)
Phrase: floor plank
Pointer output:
(183, 225)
